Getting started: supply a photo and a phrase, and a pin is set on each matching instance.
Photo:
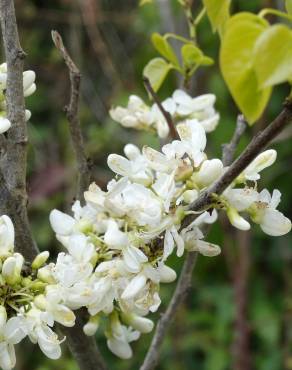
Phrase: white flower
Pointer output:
(172, 239)
(262, 161)
(264, 213)
(119, 338)
(6, 235)
(136, 115)
(55, 306)
(12, 332)
(5, 125)
(199, 109)
(208, 173)
(39, 323)
(135, 168)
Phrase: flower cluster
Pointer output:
(29, 88)
(118, 243)
(180, 106)
(29, 305)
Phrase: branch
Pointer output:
(13, 188)
(258, 143)
(72, 113)
(13, 196)
(204, 202)
(229, 149)
(166, 319)
(166, 115)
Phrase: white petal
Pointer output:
(134, 287)
(274, 223)
(120, 348)
(236, 220)
(61, 223)
(7, 356)
(119, 164)
(167, 274)
(207, 249)
(15, 330)
(5, 125)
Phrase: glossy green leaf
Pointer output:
(164, 48)
(236, 57)
(288, 4)
(273, 56)
(218, 13)
(156, 71)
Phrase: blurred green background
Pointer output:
(240, 305)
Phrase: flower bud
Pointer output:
(40, 302)
(190, 196)
(5, 125)
(167, 274)
(40, 260)
(45, 275)
(142, 324)
(131, 151)
(236, 220)
(209, 171)
(28, 79)
(90, 328)
(29, 91)
(6, 236)
(27, 115)
(9, 270)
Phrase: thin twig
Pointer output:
(258, 143)
(229, 149)
(72, 113)
(166, 319)
(166, 115)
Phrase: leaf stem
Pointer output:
(278, 13)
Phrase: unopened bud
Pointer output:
(40, 260)
(91, 326)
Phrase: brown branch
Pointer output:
(229, 149)
(13, 196)
(13, 193)
(166, 319)
(72, 113)
(241, 342)
(258, 143)
(166, 115)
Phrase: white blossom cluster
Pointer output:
(118, 243)
(180, 106)
(29, 305)
(29, 88)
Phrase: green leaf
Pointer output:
(164, 48)
(156, 71)
(236, 55)
(288, 4)
(192, 56)
(273, 56)
(218, 13)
